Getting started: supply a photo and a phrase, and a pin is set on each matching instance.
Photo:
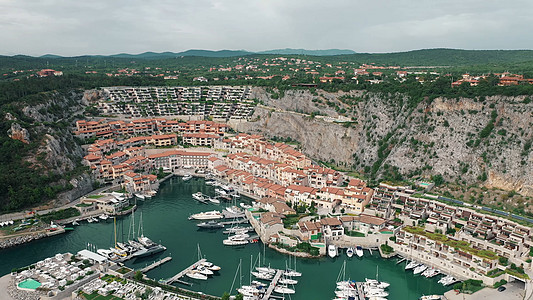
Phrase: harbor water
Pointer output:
(165, 220)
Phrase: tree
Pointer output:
(225, 296)
(239, 297)
(437, 179)
(138, 276)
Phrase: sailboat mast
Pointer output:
(115, 226)
(251, 256)
(133, 225)
(141, 229)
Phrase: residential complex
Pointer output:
(465, 238)
(221, 103)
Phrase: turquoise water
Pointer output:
(165, 220)
(29, 284)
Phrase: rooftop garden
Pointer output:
(458, 245)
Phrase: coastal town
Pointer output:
(296, 204)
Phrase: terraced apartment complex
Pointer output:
(220, 103)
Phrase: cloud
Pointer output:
(68, 27)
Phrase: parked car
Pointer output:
(501, 288)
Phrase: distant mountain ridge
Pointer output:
(327, 52)
(220, 53)
(422, 57)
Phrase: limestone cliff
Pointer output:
(470, 141)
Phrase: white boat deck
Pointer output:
(273, 284)
(182, 273)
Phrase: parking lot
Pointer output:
(513, 291)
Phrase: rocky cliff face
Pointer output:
(469, 141)
(57, 151)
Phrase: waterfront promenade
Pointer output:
(25, 214)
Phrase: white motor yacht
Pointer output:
(376, 283)
(264, 276)
(412, 264)
(283, 289)
(292, 273)
(332, 251)
(288, 281)
(359, 251)
(229, 242)
(350, 251)
(196, 275)
(421, 268)
(209, 215)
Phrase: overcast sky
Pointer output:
(73, 27)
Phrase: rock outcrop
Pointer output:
(443, 136)
(16, 132)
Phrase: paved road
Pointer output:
(22, 215)
(4, 282)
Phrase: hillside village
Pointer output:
(302, 202)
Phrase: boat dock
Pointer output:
(242, 221)
(156, 264)
(401, 260)
(229, 215)
(273, 284)
(360, 292)
(176, 278)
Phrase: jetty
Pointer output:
(176, 278)
(273, 284)
(242, 221)
(360, 291)
(401, 260)
(156, 264)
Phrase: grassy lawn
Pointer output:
(355, 233)
(95, 196)
(123, 270)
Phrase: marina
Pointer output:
(156, 264)
(177, 277)
(165, 220)
(273, 284)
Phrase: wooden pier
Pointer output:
(176, 278)
(156, 264)
(273, 284)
